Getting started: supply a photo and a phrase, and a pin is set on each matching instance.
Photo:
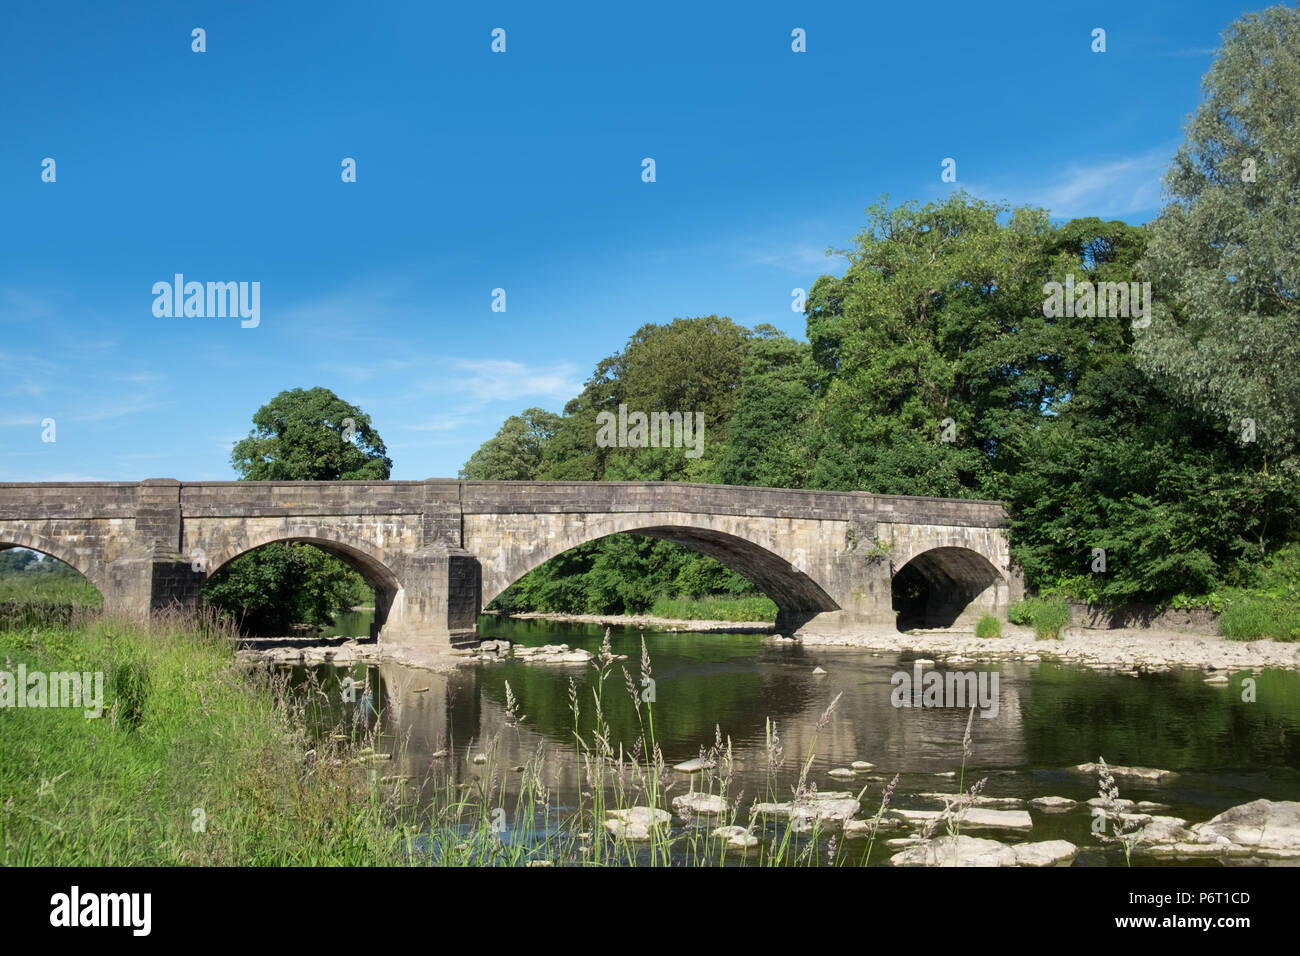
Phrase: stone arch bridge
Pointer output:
(437, 551)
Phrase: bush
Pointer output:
(1250, 617)
(1051, 615)
(1022, 612)
(1047, 616)
(989, 626)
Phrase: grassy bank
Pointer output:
(191, 762)
(197, 762)
(754, 607)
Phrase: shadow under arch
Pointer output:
(797, 596)
(377, 574)
(941, 586)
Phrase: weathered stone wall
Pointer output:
(437, 550)
(1194, 620)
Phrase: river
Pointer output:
(1050, 717)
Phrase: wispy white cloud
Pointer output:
(504, 380)
(803, 260)
(1107, 187)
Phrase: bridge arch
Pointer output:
(87, 568)
(780, 574)
(945, 585)
(355, 554)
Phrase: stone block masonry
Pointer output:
(437, 551)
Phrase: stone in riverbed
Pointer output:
(694, 765)
(973, 818)
(1144, 774)
(698, 804)
(1260, 831)
(832, 805)
(956, 851)
(862, 765)
(635, 823)
(1053, 804)
(1005, 803)
(974, 851)
(862, 828)
(1260, 824)
(1119, 804)
(736, 838)
(1046, 853)
(842, 772)
(556, 654)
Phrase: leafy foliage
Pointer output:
(300, 435)
(1226, 252)
(933, 368)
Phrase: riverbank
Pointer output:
(647, 622)
(1127, 649)
(193, 760)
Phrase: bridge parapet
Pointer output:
(435, 549)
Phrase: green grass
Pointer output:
(755, 607)
(1048, 616)
(185, 738)
(1250, 617)
(989, 626)
(64, 586)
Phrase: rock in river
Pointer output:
(695, 765)
(1260, 831)
(1053, 804)
(973, 818)
(737, 838)
(696, 804)
(1142, 774)
(973, 851)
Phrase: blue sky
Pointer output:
(478, 170)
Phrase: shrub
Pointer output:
(1250, 617)
(1051, 615)
(1022, 612)
(989, 626)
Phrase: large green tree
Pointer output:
(934, 345)
(311, 435)
(1224, 255)
(299, 435)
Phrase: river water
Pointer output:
(1050, 717)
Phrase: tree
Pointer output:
(766, 442)
(311, 435)
(1225, 253)
(689, 366)
(1129, 468)
(300, 435)
(515, 452)
(933, 343)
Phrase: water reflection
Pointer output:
(1049, 718)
